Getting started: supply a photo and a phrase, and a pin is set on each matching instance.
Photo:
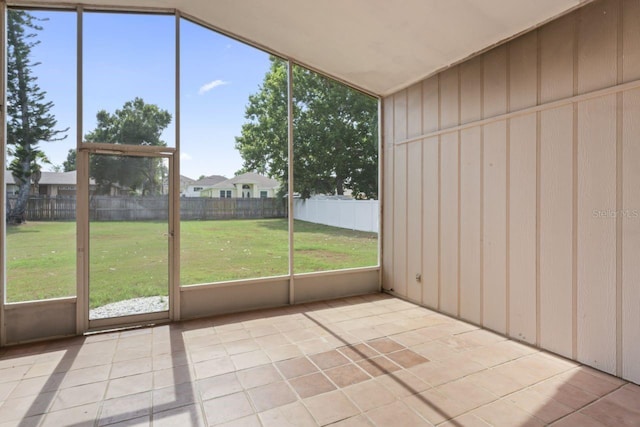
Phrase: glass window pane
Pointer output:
(129, 59)
(233, 213)
(40, 176)
(335, 175)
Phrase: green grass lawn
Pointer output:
(129, 259)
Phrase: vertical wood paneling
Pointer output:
(522, 228)
(470, 90)
(523, 59)
(556, 59)
(495, 82)
(449, 224)
(494, 227)
(556, 225)
(470, 158)
(414, 110)
(449, 97)
(597, 48)
(430, 225)
(414, 220)
(400, 195)
(400, 220)
(414, 192)
(387, 187)
(430, 102)
(631, 238)
(631, 37)
(597, 233)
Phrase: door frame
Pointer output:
(83, 324)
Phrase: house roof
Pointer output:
(49, 178)
(186, 179)
(249, 178)
(210, 180)
(377, 45)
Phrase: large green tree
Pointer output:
(29, 117)
(335, 134)
(136, 123)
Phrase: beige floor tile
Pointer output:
(621, 408)
(31, 386)
(396, 414)
(311, 385)
(7, 388)
(407, 358)
(346, 375)
(272, 340)
(144, 421)
(315, 346)
(496, 383)
(329, 359)
(258, 376)
(591, 381)
(14, 373)
(330, 407)
(183, 416)
(291, 415)
(22, 407)
(208, 352)
(131, 367)
(505, 414)
(577, 420)
(539, 405)
(385, 345)
(467, 393)
(435, 406)
(129, 385)
(283, 352)
(175, 396)
(358, 352)
(171, 376)
(357, 421)
(369, 394)
(377, 366)
(84, 415)
(402, 383)
(297, 367)
(226, 408)
(241, 346)
(125, 408)
(250, 421)
(86, 376)
(466, 420)
(214, 367)
(250, 359)
(217, 386)
(271, 396)
(80, 395)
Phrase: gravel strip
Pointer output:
(130, 306)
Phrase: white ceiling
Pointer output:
(377, 45)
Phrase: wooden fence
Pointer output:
(136, 208)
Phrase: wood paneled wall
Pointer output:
(512, 188)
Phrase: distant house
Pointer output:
(50, 184)
(247, 185)
(185, 182)
(195, 188)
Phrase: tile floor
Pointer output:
(360, 361)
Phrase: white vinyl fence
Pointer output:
(359, 215)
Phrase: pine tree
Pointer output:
(29, 118)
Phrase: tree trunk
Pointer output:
(340, 186)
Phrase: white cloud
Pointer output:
(185, 156)
(211, 85)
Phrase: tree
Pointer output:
(136, 123)
(70, 164)
(335, 134)
(29, 117)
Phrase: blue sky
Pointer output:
(128, 56)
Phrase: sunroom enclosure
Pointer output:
(126, 232)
